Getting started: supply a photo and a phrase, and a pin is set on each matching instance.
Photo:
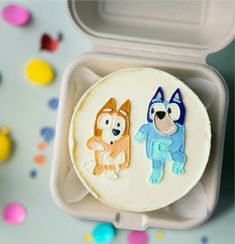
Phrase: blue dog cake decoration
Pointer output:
(164, 133)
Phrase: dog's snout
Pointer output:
(115, 132)
(160, 114)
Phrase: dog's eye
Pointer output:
(174, 111)
(152, 110)
(118, 124)
(104, 121)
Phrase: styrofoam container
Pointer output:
(174, 36)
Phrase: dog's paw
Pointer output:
(139, 137)
(97, 146)
(178, 168)
(111, 174)
(156, 176)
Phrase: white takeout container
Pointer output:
(174, 36)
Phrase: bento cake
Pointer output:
(139, 139)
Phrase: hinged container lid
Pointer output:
(186, 28)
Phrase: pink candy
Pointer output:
(15, 15)
(137, 237)
(14, 213)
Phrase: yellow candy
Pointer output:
(159, 235)
(87, 237)
(38, 71)
(5, 144)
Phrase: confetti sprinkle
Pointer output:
(87, 237)
(39, 159)
(53, 103)
(15, 15)
(204, 240)
(5, 144)
(42, 145)
(49, 44)
(103, 232)
(159, 235)
(47, 133)
(137, 237)
(39, 72)
(14, 213)
(33, 173)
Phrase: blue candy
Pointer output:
(103, 232)
(53, 103)
(47, 133)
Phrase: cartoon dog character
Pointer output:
(164, 133)
(111, 140)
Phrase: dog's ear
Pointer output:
(125, 108)
(176, 96)
(158, 96)
(110, 106)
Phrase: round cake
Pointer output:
(139, 139)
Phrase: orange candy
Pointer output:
(39, 159)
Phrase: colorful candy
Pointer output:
(103, 232)
(5, 144)
(14, 213)
(50, 44)
(47, 133)
(53, 103)
(39, 72)
(15, 14)
(39, 159)
(137, 237)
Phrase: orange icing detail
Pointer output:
(39, 159)
(42, 145)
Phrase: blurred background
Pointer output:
(30, 110)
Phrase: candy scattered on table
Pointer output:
(204, 240)
(16, 15)
(49, 43)
(137, 237)
(39, 72)
(39, 159)
(87, 237)
(53, 103)
(103, 232)
(33, 173)
(47, 133)
(159, 235)
(5, 144)
(42, 145)
(14, 213)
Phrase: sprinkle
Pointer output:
(49, 43)
(14, 213)
(39, 72)
(87, 237)
(15, 14)
(103, 232)
(42, 145)
(137, 237)
(39, 159)
(204, 240)
(5, 144)
(33, 173)
(47, 133)
(159, 235)
(53, 103)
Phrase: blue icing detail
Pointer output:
(103, 232)
(161, 147)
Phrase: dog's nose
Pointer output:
(160, 114)
(115, 132)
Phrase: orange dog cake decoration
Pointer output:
(111, 140)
